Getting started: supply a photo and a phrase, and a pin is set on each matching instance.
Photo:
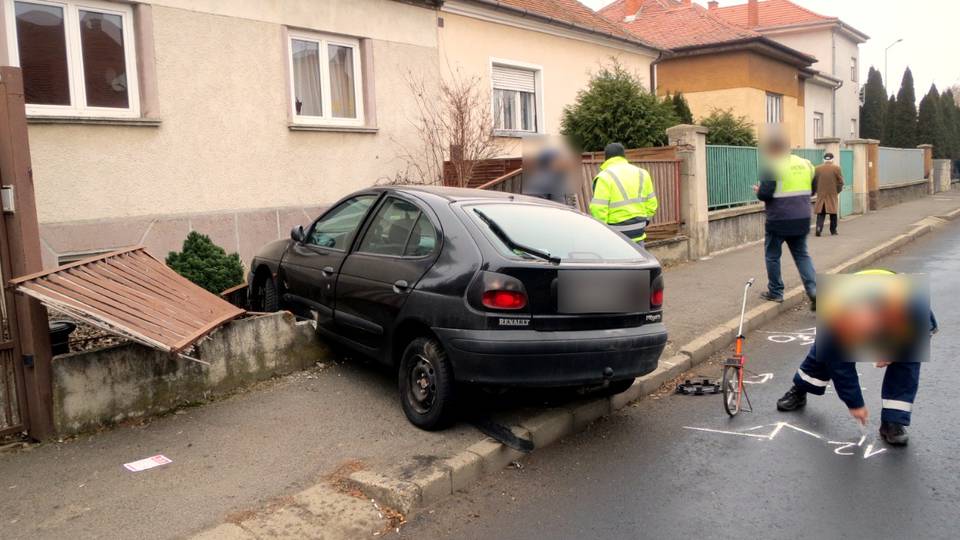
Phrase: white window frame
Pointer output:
(777, 100)
(854, 128)
(817, 124)
(78, 90)
(323, 41)
(854, 69)
(537, 96)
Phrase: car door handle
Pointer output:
(401, 286)
(327, 271)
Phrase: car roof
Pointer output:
(457, 194)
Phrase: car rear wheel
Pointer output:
(426, 385)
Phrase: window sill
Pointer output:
(337, 129)
(515, 134)
(94, 120)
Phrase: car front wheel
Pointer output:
(266, 298)
(426, 385)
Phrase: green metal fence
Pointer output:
(846, 196)
(731, 171)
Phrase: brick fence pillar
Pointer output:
(928, 166)
(692, 150)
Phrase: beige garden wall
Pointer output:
(470, 44)
(223, 159)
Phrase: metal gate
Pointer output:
(12, 397)
(846, 196)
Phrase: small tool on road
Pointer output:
(698, 387)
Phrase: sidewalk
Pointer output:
(259, 449)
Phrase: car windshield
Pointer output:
(561, 233)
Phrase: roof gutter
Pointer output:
(781, 51)
(496, 4)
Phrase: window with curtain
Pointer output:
(515, 99)
(325, 80)
(818, 124)
(774, 108)
(77, 58)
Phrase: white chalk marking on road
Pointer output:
(869, 451)
(843, 446)
(862, 438)
(753, 428)
(727, 432)
(812, 434)
(764, 377)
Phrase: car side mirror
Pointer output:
(297, 234)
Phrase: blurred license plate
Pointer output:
(603, 291)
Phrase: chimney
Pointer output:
(753, 14)
(713, 4)
(686, 2)
(631, 7)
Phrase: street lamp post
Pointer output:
(886, 74)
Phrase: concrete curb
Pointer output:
(546, 427)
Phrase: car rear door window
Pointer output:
(335, 229)
(560, 232)
(391, 228)
(423, 239)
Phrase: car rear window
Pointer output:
(561, 233)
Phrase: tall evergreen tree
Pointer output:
(951, 124)
(930, 126)
(871, 112)
(682, 108)
(889, 109)
(904, 133)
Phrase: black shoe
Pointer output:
(895, 434)
(819, 231)
(834, 233)
(767, 296)
(813, 303)
(793, 400)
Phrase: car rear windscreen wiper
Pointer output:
(505, 238)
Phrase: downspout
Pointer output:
(653, 73)
(833, 71)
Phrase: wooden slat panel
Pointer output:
(133, 294)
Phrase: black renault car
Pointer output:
(452, 286)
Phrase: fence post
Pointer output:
(829, 144)
(691, 143)
(941, 174)
(928, 166)
(865, 183)
(23, 240)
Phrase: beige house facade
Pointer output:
(237, 119)
(150, 119)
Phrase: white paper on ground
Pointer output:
(147, 463)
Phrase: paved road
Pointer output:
(642, 474)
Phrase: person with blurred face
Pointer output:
(550, 177)
(786, 183)
(827, 185)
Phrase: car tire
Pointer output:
(427, 386)
(266, 296)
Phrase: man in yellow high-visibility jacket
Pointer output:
(623, 196)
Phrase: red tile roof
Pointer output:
(673, 24)
(569, 12)
(772, 13)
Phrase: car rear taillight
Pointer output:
(504, 299)
(656, 293)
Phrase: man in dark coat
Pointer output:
(827, 185)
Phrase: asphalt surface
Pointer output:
(642, 473)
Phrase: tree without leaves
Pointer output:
(871, 112)
(729, 129)
(453, 122)
(614, 107)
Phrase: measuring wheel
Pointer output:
(732, 387)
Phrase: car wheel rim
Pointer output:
(422, 385)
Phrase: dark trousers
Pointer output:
(833, 222)
(773, 247)
(899, 390)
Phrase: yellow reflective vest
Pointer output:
(623, 198)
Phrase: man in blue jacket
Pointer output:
(831, 363)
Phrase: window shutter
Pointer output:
(510, 78)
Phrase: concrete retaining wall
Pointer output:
(670, 250)
(905, 191)
(735, 226)
(102, 387)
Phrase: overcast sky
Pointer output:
(930, 30)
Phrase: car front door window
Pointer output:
(335, 229)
